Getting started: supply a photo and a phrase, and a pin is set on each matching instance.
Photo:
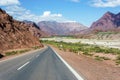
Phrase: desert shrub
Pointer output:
(16, 52)
(105, 58)
(11, 53)
(98, 58)
(118, 60)
(23, 51)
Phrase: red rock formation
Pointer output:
(108, 22)
(15, 34)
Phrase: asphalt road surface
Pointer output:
(40, 65)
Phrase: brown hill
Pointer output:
(15, 34)
(35, 29)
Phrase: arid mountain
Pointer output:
(35, 29)
(56, 28)
(108, 22)
(15, 34)
(107, 27)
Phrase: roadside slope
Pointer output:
(15, 34)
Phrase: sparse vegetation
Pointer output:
(98, 58)
(118, 60)
(109, 32)
(36, 47)
(85, 48)
(106, 35)
(16, 52)
(20, 51)
(101, 58)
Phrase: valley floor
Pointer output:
(106, 43)
(90, 69)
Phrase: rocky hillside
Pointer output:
(15, 34)
(35, 29)
(107, 27)
(56, 28)
(108, 22)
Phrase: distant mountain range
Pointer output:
(16, 34)
(108, 22)
(57, 28)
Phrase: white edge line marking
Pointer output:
(23, 66)
(37, 56)
(69, 67)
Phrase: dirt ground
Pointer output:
(89, 68)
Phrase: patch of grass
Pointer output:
(101, 58)
(98, 58)
(36, 47)
(23, 51)
(118, 57)
(11, 53)
(105, 58)
(88, 54)
(16, 52)
(118, 60)
(109, 32)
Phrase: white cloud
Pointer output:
(9, 2)
(48, 14)
(75, 0)
(21, 13)
(14, 8)
(106, 3)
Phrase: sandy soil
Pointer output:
(89, 68)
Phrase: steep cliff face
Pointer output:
(108, 22)
(34, 29)
(15, 34)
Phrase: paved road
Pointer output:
(40, 65)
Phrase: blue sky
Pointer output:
(82, 11)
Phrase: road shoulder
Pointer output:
(90, 68)
(22, 54)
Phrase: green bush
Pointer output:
(11, 53)
(98, 58)
(118, 57)
(16, 52)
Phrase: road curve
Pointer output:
(40, 65)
